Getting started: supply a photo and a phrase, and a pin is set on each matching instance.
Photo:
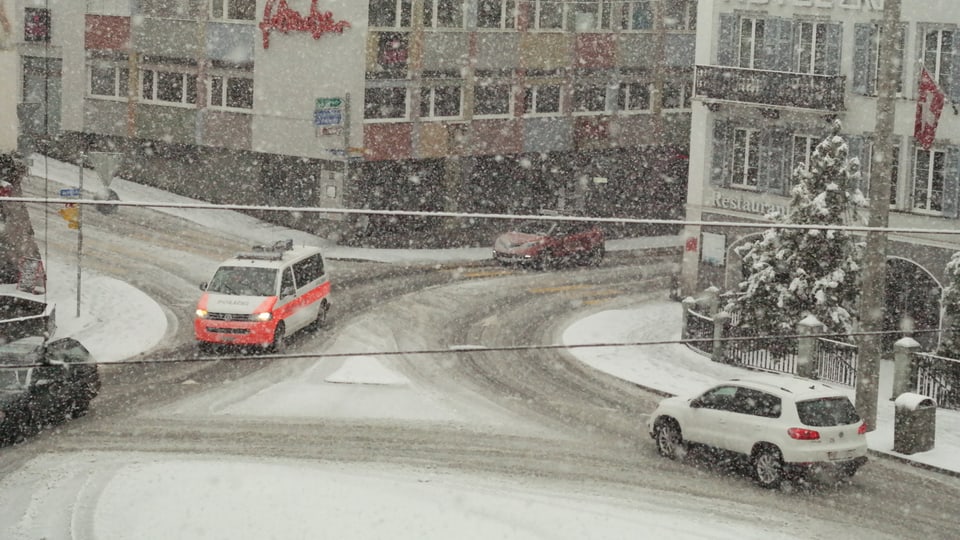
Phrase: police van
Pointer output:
(263, 296)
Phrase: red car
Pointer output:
(544, 244)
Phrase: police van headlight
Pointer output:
(201, 314)
(262, 317)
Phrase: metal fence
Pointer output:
(757, 353)
(837, 361)
(938, 378)
(700, 331)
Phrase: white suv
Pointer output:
(786, 426)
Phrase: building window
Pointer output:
(440, 102)
(590, 98)
(677, 95)
(231, 92)
(548, 15)
(938, 56)
(109, 81)
(746, 158)
(392, 55)
(751, 43)
(168, 86)
(803, 147)
(680, 15)
(639, 15)
(443, 13)
(634, 97)
(385, 103)
(496, 14)
(591, 16)
(542, 99)
(36, 24)
(390, 13)
(928, 181)
(233, 10)
(492, 97)
(811, 47)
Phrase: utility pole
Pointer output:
(873, 292)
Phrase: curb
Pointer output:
(917, 464)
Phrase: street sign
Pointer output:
(328, 117)
(70, 192)
(329, 103)
(328, 112)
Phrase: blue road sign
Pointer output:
(70, 192)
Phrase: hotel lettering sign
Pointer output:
(872, 5)
(750, 207)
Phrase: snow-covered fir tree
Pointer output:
(792, 273)
(950, 342)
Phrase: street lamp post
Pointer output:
(873, 292)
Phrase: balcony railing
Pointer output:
(773, 88)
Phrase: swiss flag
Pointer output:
(930, 101)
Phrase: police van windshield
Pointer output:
(244, 281)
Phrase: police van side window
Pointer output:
(308, 270)
(286, 282)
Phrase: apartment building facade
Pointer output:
(771, 78)
(472, 105)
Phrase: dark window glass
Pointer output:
(590, 98)
(385, 103)
(240, 93)
(491, 99)
(825, 412)
(216, 91)
(170, 86)
(103, 81)
(241, 10)
(36, 24)
(757, 403)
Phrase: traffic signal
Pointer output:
(71, 213)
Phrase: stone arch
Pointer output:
(913, 304)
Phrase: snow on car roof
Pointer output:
(784, 384)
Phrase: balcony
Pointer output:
(770, 88)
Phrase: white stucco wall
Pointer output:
(297, 69)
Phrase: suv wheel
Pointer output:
(669, 441)
(768, 467)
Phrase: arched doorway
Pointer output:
(912, 304)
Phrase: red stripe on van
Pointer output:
(313, 295)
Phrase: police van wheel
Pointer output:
(279, 339)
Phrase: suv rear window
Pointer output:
(824, 412)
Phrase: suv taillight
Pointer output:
(862, 430)
(803, 434)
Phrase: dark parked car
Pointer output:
(544, 244)
(57, 381)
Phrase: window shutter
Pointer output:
(953, 93)
(720, 161)
(951, 181)
(902, 29)
(864, 76)
(727, 47)
(834, 46)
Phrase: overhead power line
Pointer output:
(470, 215)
